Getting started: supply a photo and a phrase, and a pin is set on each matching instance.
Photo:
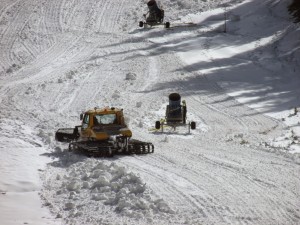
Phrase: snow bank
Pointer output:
(92, 186)
(21, 163)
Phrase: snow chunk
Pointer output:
(73, 186)
(130, 76)
(98, 197)
(101, 182)
(69, 205)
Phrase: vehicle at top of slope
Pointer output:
(154, 17)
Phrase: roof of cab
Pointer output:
(105, 110)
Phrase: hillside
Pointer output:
(241, 84)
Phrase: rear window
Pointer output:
(105, 119)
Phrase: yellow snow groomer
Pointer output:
(103, 132)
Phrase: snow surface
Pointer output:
(240, 81)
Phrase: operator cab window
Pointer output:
(105, 119)
(86, 120)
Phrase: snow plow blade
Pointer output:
(67, 134)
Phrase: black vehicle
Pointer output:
(155, 16)
(176, 114)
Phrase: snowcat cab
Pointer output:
(103, 132)
(101, 124)
(154, 16)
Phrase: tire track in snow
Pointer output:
(180, 190)
(243, 189)
(232, 115)
(215, 98)
(63, 46)
(166, 67)
(209, 100)
(60, 46)
(81, 89)
(15, 11)
(110, 21)
(253, 118)
(241, 119)
(179, 186)
(207, 183)
(70, 96)
(159, 180)
(188, 195)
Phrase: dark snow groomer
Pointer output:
(155, 15)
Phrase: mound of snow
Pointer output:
(92, 185)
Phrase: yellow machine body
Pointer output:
(102, 124)
(103, 132)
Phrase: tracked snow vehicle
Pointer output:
(155, 16)
(175, 114)
(103, 132)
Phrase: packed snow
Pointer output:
(235, 62)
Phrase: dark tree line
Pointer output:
(294, 9)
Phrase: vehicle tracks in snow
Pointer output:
(209, 177)
(215, 187)
(234, 190)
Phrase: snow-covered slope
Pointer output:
(59, 58)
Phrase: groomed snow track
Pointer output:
(58, 58)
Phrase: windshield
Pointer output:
(105, 119)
